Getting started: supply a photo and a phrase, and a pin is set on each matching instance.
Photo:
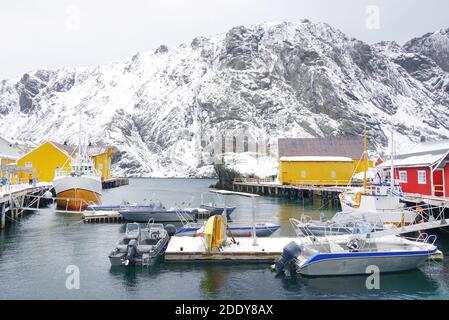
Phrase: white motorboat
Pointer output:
(140, 246)
(341, 223)
(235, 229)
(343, 255)
(353, 253)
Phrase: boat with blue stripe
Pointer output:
(355, 255)
(236, 229)
(217, 209)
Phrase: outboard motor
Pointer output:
(171, 230)
(290, 252)
(195, 214)
(131, 252)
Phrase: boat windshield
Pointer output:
(131, 227)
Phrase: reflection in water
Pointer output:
(212, 282)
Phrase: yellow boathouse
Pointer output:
(320, 161)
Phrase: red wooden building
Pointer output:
(423, 170)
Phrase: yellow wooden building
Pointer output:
(46, 158)
(320, 161)
(315, 170)
(102, 157)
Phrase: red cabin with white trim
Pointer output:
(424, 170)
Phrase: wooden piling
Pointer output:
(3, 213)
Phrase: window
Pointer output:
(403, 176)
(234, 144)
(333, 174)
(422, 177)
(28, 164)
(100, 166)
(303, 174)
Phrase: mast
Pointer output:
(365, 159)
(391, 163)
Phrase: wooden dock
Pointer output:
(192, 249)
(114, 183)
(265, 187)
(13, 199)
(102, 217)
(431, 200)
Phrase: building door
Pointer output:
(438, 185)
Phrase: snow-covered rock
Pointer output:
(162, 109)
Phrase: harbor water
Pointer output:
(39, 254)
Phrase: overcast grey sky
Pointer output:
(56, 33)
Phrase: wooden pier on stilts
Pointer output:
(114, 183)
(14, 198)
(266, 187)
(102, 217)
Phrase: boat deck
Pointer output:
(185, 249)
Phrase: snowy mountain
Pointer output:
(165, 109)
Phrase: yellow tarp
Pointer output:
(214, 232)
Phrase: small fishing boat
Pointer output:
(159, 213)
(236, 229)
(214, 205)
(380, 197)
(214, 209)
(340, 224)
(343, 255)
(140, 246)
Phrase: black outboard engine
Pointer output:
(171, 230)
(290, 252)
(195, 214)
(131, 252)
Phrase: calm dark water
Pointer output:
(35, 252)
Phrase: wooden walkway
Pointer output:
(102, 217)
(266, 187)
(432, 200)
(13, 198)
(114, 183)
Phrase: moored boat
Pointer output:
(343, 255)
(236, 229)
(158, 212)
(79, 186)
(140, 246)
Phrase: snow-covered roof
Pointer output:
(430, 146)
(316, 159)
(422, 154)
(8, 150)
(351, 147)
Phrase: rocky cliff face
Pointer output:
(282, 79)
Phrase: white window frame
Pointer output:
(400, 178)
(29, 164)
(425, 177)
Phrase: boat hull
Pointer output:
(320, 231)
(157, 216)
(234, 231)
(75, 193)
(359, 263)
(76, 199)
(217, 210)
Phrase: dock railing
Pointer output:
(254, 180)
(316, 183)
